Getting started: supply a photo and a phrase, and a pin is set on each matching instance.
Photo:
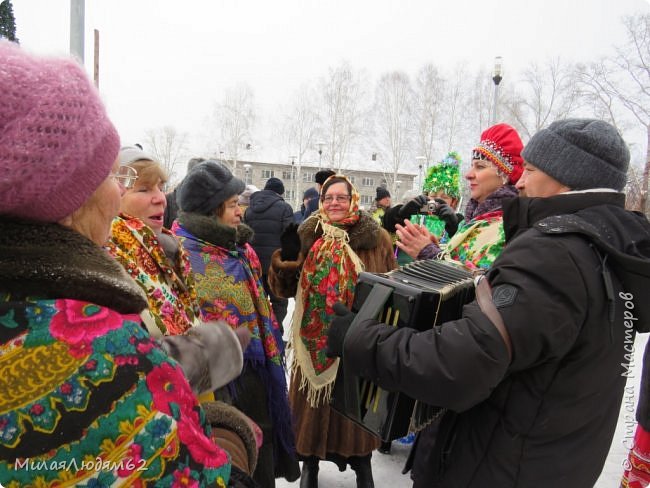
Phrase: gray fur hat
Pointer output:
(207, 186)
(580, 154)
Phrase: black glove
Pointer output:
(413, 207)
(290, 242)
(448, 214)
(338, 329)
(392, 217)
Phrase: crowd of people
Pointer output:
(142, 339)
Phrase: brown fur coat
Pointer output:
(372, 244)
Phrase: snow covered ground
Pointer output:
(387, 469)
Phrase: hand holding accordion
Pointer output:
(419, 295)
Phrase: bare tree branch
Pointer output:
(168, 146)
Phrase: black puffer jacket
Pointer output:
(575, 269)
(267, 214)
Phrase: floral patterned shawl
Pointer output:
(329, 274)
(229, 287)
(480, 238)
(169, 288)
(88, 397)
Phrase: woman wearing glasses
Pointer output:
(88, 398)
(150, 253)
(318, 264)
(154, 258)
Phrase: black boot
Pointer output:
(385, 447)
(362, 467)
(309, 473)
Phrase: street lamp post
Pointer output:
(421, 160)
(397, 185)
(320, 154)
(247, 170)
(295, 181)
(496, 78)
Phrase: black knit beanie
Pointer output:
(275, 184)
(207, 186)
(382, 193)
(580, 154)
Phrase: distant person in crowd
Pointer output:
(171, 210)
(307, 196)
(82, 379)
(157, 262)
(479, 238)
(533, 374)
(245, 198)
(442, 185)
(434, 207)
(229, 287)
(381, 203)
(318, 264)
(268, 215)
(319, 178)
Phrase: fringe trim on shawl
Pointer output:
(318, 387)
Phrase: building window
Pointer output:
(267, 173)
(308, 177)
(367, 181)
(366, 200)
(287, 175)
(288, 196)
(351, 178)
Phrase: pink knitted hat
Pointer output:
(56, 142)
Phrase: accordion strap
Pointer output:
(484, 299)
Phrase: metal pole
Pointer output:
(96, 62)
(497, 79)
(77, 21)
(494, 106)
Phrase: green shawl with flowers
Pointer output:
(329, 274)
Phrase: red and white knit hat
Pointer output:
(501, 145)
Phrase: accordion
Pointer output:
(419, 295)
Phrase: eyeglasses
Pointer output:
(126, 176)
(338, 198)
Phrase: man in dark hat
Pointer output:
(268, 214)
(381, 204)
(320, 177)
(532, 375)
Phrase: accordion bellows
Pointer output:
(420, 295)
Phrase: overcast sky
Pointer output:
(167, 62)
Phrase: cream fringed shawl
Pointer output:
(328, 275)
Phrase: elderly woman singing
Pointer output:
(87, 397)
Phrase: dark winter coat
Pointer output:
(267, 214)
(312, 205)
(573, 268)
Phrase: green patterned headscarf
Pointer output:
(444, 176)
